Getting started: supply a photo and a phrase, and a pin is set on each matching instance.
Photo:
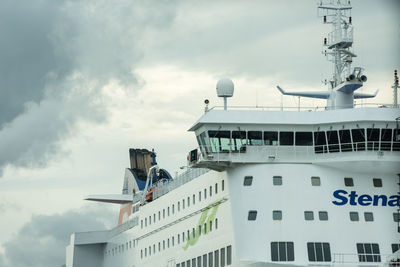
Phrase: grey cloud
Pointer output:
(42, 241)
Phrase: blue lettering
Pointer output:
(365, 200)
(376, 200)
(338, 194)
(352, 197)
(394, 200)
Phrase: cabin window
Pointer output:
(205, 260)
(199, 196)
(159, 215)
(223, 185)
(348, 181)
(183, 264)
(252, 216)
(358, 139)
(248, 180)
(368, 216)
(173, 209)
(271, 138)
(219, 141)
(345, 140)
(373, 139)
(210, 259)
(179, 205)
(377, 182)
(238, 141)
(188, 202)
(333, 141)
(315, 181)
(323, 215)
(216, 258)
(216, 188)
(277, 215)
(309, 215)
(194, 199)
(277, 180)
(222, 257)
(254, 138)
(396, 217)
(229, 255)
(286, 138)
(183, 204)
(199, 261)
(304, 139)
(205, 193)
(282, 251)
(395, 247)
(216, 223)
(386, 139)
(168, 211)
(210, 191)
(194, 263)
(318, 251)
(368, 252)
(354, 216)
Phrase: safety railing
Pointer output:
(365, 258)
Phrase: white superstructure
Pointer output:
(267, 188)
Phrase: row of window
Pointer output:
(315, 181)
(321, 252)
(218, 258)
(170, 242)
(186, 202)
(121, 248)
(322, 216)
(323, 141)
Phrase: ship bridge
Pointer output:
(338, 138)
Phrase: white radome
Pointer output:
(225, 87)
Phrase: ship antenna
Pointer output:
(395, 87)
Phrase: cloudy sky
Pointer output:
(81, 82)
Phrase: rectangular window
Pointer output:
(320, 142)
(183, 264)
(222, 257)
(168, 242)
(216, 188)
(194, 199)
(173, 241)
(348, 181)
(345, 140)
(395, 247)
(159, 246)
(194, 262)
(277, 215)
(277, 180)
(271, 138)
(179, 205)
(178, 265)
(216, 223)
(223, 185)
(323, 215)
(183, 236)
(205, 260)
(216, 258)
(210, 259)
(333, 141)
(286, 138)
(220, 141)
(354, 216)
(386, 139)
(199, 261)
(252, 216)
(358, 139)
(255, 138)
(205, 193)
(368, 252)
(159, 215)
(368, 216)
(183, 204)
(163, 213)
(372, 139)
(282, 251)
(188, 202)
(377, 182)
(168, 211)
(319, 251)
(396, 216)
(238, 141)
(315, 181)
(173, 209)
(210, 191)
(199, 196)
(309, 215)
(304, 139)
(188, 263)
(149, 220)
(228, 255)
(248, 180)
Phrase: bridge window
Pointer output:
(248, 180)
(271, 138)
(277, 180)
(386, 139)
(354, 216)
(282, 251)
(345, 140)
(358, 139)
(238, 141)
(252, 216)
(219, 141)
(323, 215)
(318, 251)
(309, 215)
(333, 141)
(254, 138)
(396, 140)
(202, 141)
(320, 142)
(368, 216)
(277, 215)
(304, 139)
(377, 182)
(286, 138)
(373, 139)
(368, 252)
(348, 181)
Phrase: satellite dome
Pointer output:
(225, 88)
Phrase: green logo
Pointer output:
(191, 241)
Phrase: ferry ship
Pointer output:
(267, 187)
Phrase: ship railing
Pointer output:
(124, 226)
(165, 186)
(340, 36)
(365, 259)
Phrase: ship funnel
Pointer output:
(225, 89)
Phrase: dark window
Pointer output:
(373, 139)
(271, 138)
(188, 263)
(309, 215)
(368, 252)
(183, 264)
(348, 181)
(354, 216)
(395, 247)
(396, 217)
(216, 258)
(333, 141)
(358, 139)
(304, 139)
(345, 140)
(277, 180)
(396, 140)
(219, 140)
(277, 215)
(315, 181)
(178, 265)
(368, 216)
(202, 141)
(323, 215)
(210, 191)
(252, 215)
(216, 188)
(248, 180)
(286, 138)
(222, 257)
(210, 259)
(223, 185)
(205, 260)
(282, 251)
(320, 142)
(254, 138)
(238, 141)
(386, 139)
(199, 261)
(319, 251)
(194, 262)
(377, 182)
(228, 255)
